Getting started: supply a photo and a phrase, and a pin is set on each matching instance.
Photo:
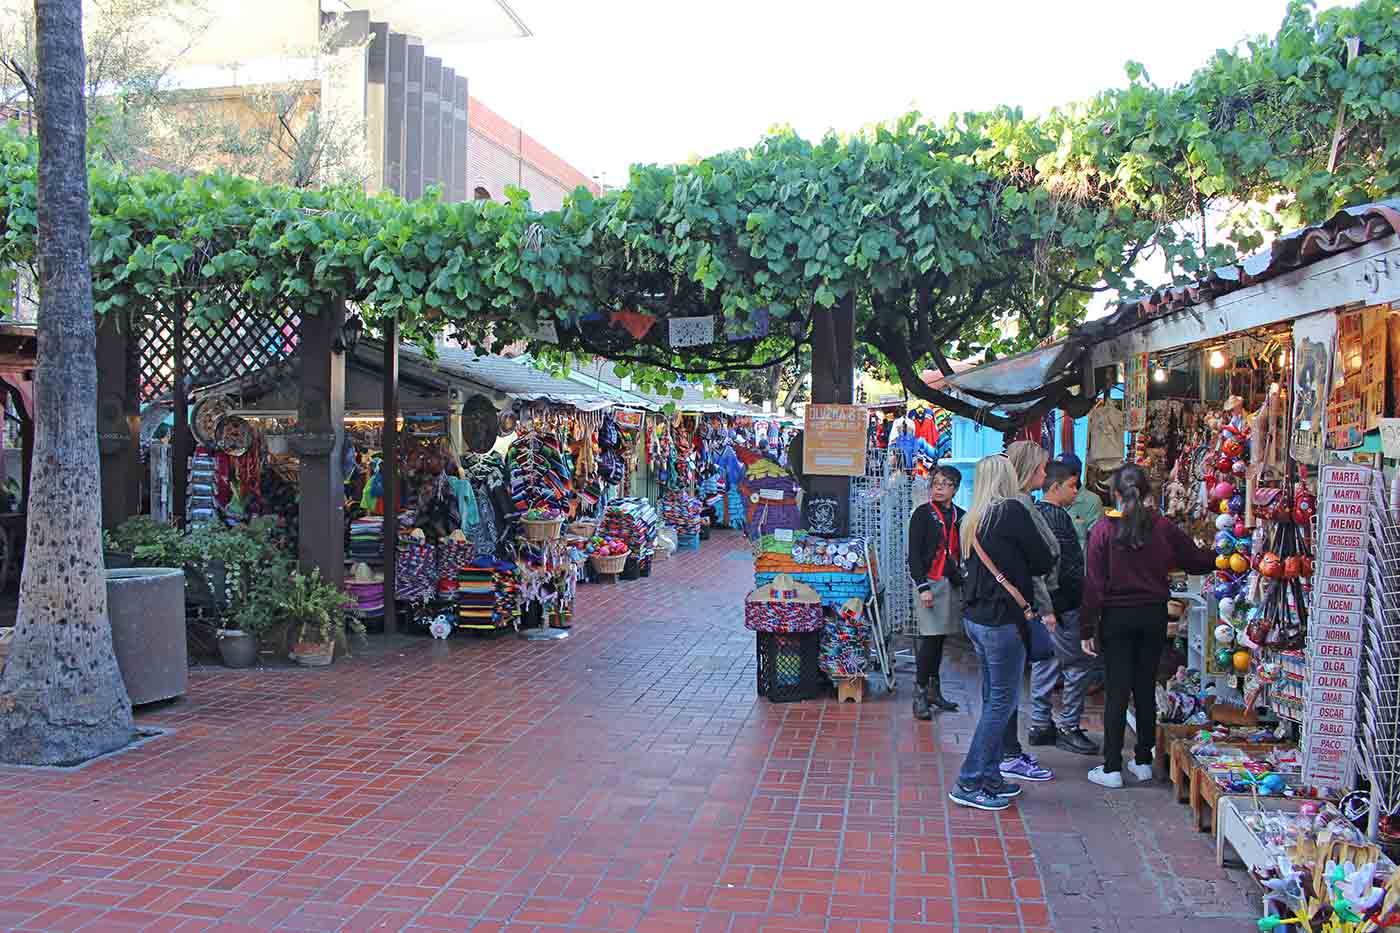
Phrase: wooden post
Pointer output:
(833, 382)
(181, 441)
(118, 423)
(389, 472)
(319, 442)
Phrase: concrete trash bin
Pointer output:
(147, 609)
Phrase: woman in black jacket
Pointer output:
(935, 564)
(1002, 528)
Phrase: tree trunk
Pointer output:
(62, 699)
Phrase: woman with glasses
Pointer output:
(935, 563)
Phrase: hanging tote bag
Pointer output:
(1039, 645)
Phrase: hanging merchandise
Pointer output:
(771, 496)
(633, 521)
(1106, 436)
(540, 474)
(415, 570)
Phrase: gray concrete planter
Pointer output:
(147, 609)
(237, 649)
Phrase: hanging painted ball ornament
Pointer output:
(1223, 490)
(1240, 660)
(1225, 634)
(1243, 546)
(1222, 657)
(1224, 522)
(1225, 507)
(1231, 447)
(1227, 607)
(1222, 590)
(1240, 530)
(1239, 563)
(1237, 504)
(1272, 783)
(1239, 467)
(1222, 562)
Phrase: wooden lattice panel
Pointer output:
(248, 341)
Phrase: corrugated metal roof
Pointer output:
(693, 398)
(1348, 229)
(515, 379)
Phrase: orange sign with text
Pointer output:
(833, 440)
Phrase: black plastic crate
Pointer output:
(787, 666)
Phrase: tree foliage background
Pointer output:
(981, 233)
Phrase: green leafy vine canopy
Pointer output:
(942, 233)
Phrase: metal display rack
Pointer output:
(1379, 744)
(881, 503)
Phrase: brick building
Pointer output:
(499, 153)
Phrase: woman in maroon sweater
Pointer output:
(1125, 604)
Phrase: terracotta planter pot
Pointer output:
(310, 653)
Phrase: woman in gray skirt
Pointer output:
(935, 563)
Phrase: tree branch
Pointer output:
(13, 65)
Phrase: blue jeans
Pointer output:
(1003, 657)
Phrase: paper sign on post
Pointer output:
(833, 440)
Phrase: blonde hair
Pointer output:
(1026, 457)
(994, 482)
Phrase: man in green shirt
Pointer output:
(1087, 507)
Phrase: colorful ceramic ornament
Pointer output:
(1239, 563)
(1224, 522)
(1227, 608)
(1225, 634)
(1240, 661)
(1240, 529)
(1225, 543)
(1222, 562)
(1237, 504)
(1231, 447)
(1225, 507)
(1239, 467)
(1270, 565)
(1223, 490)
(1222, 657)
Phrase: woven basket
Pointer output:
(542, 530)
(612, 564)
(583, 529)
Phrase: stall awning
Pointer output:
(510, 377)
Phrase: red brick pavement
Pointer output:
(626, 779)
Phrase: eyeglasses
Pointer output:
(946, 484)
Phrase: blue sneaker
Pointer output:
(1004, 789)
(1027, 768)
(977, 798)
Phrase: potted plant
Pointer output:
(314, 611)
(255, 612)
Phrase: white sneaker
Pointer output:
(1110, 779)
(1142, 772)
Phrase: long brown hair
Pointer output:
(1131, 488)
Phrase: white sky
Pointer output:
(606, 83)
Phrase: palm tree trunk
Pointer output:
(62, 699)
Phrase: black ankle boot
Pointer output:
(936, 697)
(921, 710)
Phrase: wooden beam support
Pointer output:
(118, 422)
(181, 440)
(320, 442)
(389, 472)
(833, 382)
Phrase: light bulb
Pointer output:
(1217, 359)
(1159, 375)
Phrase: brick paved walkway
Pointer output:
(625, 779)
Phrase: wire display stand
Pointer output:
(881, 503)
(1379, 744)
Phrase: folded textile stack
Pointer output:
(634, 521)
(366, 539)
(453, 555)
(844, 644)
(834, 582)
(681, 512)
(487, 595)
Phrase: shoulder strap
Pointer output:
(1000, 577)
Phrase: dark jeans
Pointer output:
(1131, 639)
(1003, 657)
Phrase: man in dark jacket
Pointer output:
(1070, 661)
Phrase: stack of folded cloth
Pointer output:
(487, 595)
(415, 573)
(633, 520)
(835, 568)
(454, 553)
(681, 512)
(844, 642)
(366, 539)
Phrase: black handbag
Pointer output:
(1039, 645)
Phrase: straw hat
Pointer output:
(363, 574)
